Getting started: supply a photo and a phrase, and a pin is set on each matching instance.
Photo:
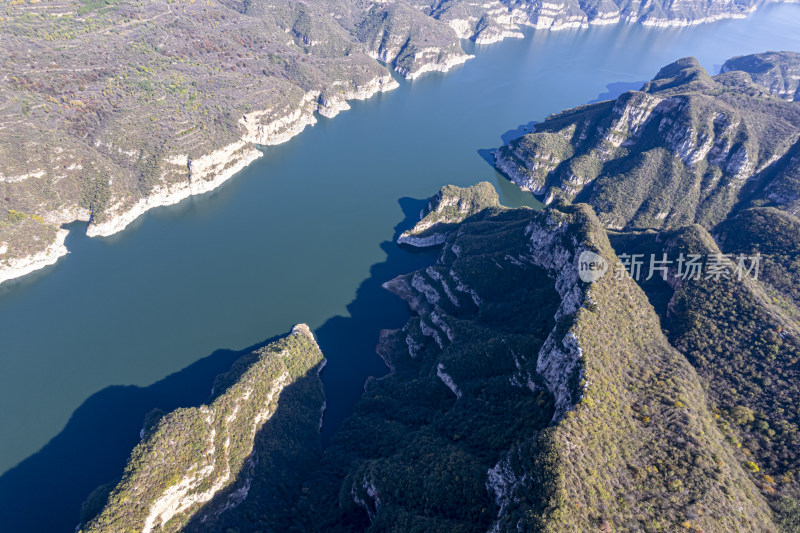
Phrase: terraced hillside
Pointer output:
(111, 107)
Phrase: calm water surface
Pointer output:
(303, 235)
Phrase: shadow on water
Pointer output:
(354, 338)
(613, 91)
(288, 447)
(617, 88)
(93, 447)
(487, 154)
(518, 132)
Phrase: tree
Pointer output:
(742, 415)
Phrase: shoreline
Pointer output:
(172, 194)
(206, 174)
(214, 169)
(22, 266)
(510, 25)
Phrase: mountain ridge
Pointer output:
(202, 86)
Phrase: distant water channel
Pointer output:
(146, 318)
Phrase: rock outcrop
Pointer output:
(196, 466)
(122, 122)
(445, 210)
(522, 398)
(778, 72)
(684, 149)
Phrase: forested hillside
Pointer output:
(545, 381)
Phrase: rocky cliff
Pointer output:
(163, 100)
(700, 170)
(778, 72)
(522, 398)
(686, 148)
(537, 387)
(196, 466)
(445, 210)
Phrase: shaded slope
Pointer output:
(775, 235)
(778, 72)
(743, 338)
(570, 412)
(520, 397)
(445, 210)
(194, 464)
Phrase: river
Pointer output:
(146, 318)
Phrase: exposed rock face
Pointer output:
(494, 20)
(679, 151)
(521, 398)
(545, 481)
(778, 72)
(410, 41)
(195, 464)
(445, 210)
(262, 128)
(20, 266)
(205, 174)
(207, 77)
(502, 319)
(469, 354)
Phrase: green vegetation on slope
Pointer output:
(446, 210)
(571, 412)
(778, 72)
(773, 234)
(104, 103)
(523, 398)
(744, 345)
(195, 463)
(677, 152)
